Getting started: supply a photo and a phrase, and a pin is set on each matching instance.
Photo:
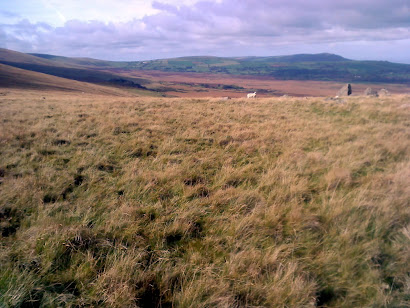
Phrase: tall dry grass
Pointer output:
(155, 202)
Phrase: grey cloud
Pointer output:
(229, 27)
(311, 14)
(164, 7)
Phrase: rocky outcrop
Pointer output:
(383, 92)
(370, 92)
(345, 91)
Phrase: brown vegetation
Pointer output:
(15, 78)
(191, 85)
(159, 202)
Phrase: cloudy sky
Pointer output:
(145, 29)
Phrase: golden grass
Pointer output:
(159, 202)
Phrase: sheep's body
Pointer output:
(251, 95)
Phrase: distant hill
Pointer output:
(11, 56)
(320, 67)
(323, 67)
(80, 62)
(12, 77)
(70, 68)
(320, 57)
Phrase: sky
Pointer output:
(146, 29)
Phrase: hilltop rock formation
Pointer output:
(383, 92)
(346, 90)
(370, 92)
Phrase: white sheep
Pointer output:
(251, 95)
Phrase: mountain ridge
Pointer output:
(315, 67)
(302, 57)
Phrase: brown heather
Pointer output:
(159, 202)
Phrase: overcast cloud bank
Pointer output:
(360, 29)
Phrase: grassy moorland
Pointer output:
(159, 202)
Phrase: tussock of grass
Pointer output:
(155, 202)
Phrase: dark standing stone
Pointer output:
(370, 92)
(345, 91)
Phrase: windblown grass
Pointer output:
(155, 202)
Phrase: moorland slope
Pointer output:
(158, 202)
(68, 70)
(15, 78)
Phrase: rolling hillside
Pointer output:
(324, 67)
(12, 77)
(321, 67)
(12, 56)
(320, 57)
(67, 69)
(82, 62)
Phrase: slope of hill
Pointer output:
(67, 69)
(323, 67)
(12, 77)
(81, 62)
(12, 56)
(320, 57)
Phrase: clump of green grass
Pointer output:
(155, 202)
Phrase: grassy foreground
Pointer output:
(157, 202)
